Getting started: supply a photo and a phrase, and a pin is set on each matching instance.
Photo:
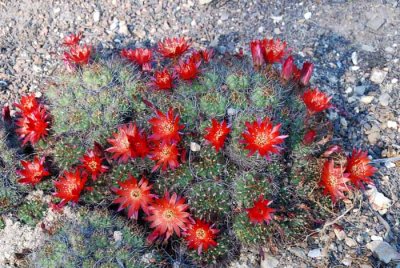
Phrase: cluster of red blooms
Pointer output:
(33, 120)
(77, 54)
(358, 171)
(169, 48)
(167, 215)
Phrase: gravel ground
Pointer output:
(354, 45)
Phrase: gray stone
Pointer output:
(360, 90)
(384, 99)
(368, 48)
(269, 262)
(354, 58)
(376, 22)
(96, 16)
(314, 253)
(377, 76)
(383, 251)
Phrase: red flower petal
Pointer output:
(217, 133)
(201, 236)
(32, 172)
(260, 212)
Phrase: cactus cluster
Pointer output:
(96, 239)
(207, 151)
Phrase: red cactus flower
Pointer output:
(260, 212)
(306, 73)
(273, 50)
(27, 104)
(72, 39)
(128, 143)
(92, 163)
(165, 127)
(70, 186)
(216, 134)
(287, 68)
(201, 236)
(257, 53)
(309, 137)
(173, 47)
(188, 70)
(263, 137)
(163, 80)
(6, 114)
(316, 101)
(140, 56)
(359, 169)
(333, 180)
(32, 172)
(134, 195)
(78, 54)
(33, 127)
(165, 155)
(207, 54)
(168, 215)
(196, 57)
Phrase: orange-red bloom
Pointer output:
(128, 143)
(165, 155)
(359, 168)
(92, 163)
(27, 104)
(201, 236)
(188, 70)
(70, 186)
(173, 47)
(309, 137)
(165, 127)
(333, 180)
(72, 39)
(134, 195)
(216, 134)
(162, 80)
(34, 126)
(306, 73)
(32, 172)
(263, 137)
(140, 56)
(316, 101)
(257, 53)
(207, 54)
(168, 215)
(78, 54)
(273, 50)
(260, 212)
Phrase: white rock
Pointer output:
(307, 15)
(314, 253)
(354, 58)
(204, 2)
(261, 29)
(384, 251)
(350, 242)
(276, 19)
(96, 16)
(348, 90)
(123, 28)
(377, 76)
(56, 10)
(392, 124)
(195, 147)
(268, 262)
(347, 261)
(354, 68)
(117, 236)
(367, 99)
(378, 201)
(340, 234)
(376, 238)
(395, 80)
(390, 165)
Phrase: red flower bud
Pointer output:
(309, 137)
(257, 53)
(306, 73)
(287, 68)
(6, 114)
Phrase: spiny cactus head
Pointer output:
(209, 200)
(213, 104)
(214, 255)
(237, 81)
(248, 233)
(174, 181)
(31, 212)
(248, 187)
(67, 152)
